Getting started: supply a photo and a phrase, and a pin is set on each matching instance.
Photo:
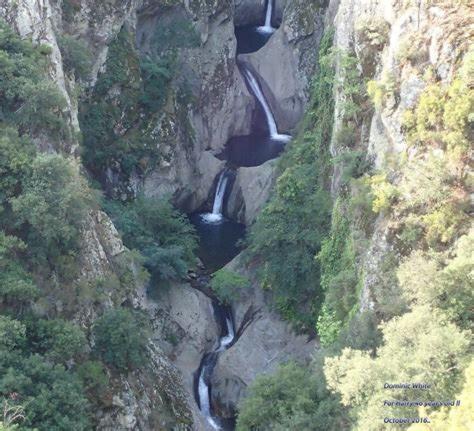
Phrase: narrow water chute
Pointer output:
(216, 215)
(258, 93)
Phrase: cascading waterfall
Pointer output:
(267, 28)
(207, 366)
(258, 93)
(216, 215)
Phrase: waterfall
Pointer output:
(225, 341)
(271, 123)
(204, 401)
(216, 214)
(207, 366)
(267, 28)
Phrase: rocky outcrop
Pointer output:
(394, 44)
(264, 342)
(249, 12)
(287, 62)
(250, 192)
(149, 399)
(185, 327)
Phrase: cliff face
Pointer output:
(400, 49)
(152, 397)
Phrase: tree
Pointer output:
(52, 207)
(56, 339)
(121, 338)
(160, 232)
(419, 346)
(294, 398)
(227, 284)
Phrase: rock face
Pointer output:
(185, 326)
(207, 100)
(288, 61)
(409, 42)
(251, 191)
(137, 406)
(266, 342)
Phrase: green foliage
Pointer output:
(51, 208)
(54, 397)
(16, 285)
(339, 277)
(294, 398)
(94, 378)
(161, 233)
(121, 338)
(16, 156)
(372, 31)
(227, 285)
(76, 56)
(119, 120)
(383, 90)
(420, 346)
(57, 340)
(426, 281)
(289, 231)
(12, 333)
(27, 98)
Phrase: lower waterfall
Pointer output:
(208, 363)
(216, 215)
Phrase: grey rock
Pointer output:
(266, 342)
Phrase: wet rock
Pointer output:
(251, 191)
(266, 342)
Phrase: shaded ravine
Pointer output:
(202, 384)
(219, 236)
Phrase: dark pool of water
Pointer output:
(249, 39)
(218, 243)
(251, 150)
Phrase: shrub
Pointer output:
(294, 398)
(58, 340)
(28, 99)
(372, 31)
(227, 285)
(121, 339)
(162, 234)
(76, 56)
(52, 207)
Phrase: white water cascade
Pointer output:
(207, 366)
(267, 28)
(205, 403)
(271, 123)
(216, 215)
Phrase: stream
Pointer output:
(219, 236)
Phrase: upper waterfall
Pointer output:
(267, 28)
(258, 93)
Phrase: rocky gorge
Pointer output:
(197, 101)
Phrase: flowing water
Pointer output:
(203, 386)
(258, 93)
(219, 237)
(216, 215)
(267, 28)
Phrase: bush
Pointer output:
(162, 234)
(51, 208)
(121, 339)
(76, 56)
(294, 398)
(289, 230)
(28, 99)
(58, 340)
(227, 285)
